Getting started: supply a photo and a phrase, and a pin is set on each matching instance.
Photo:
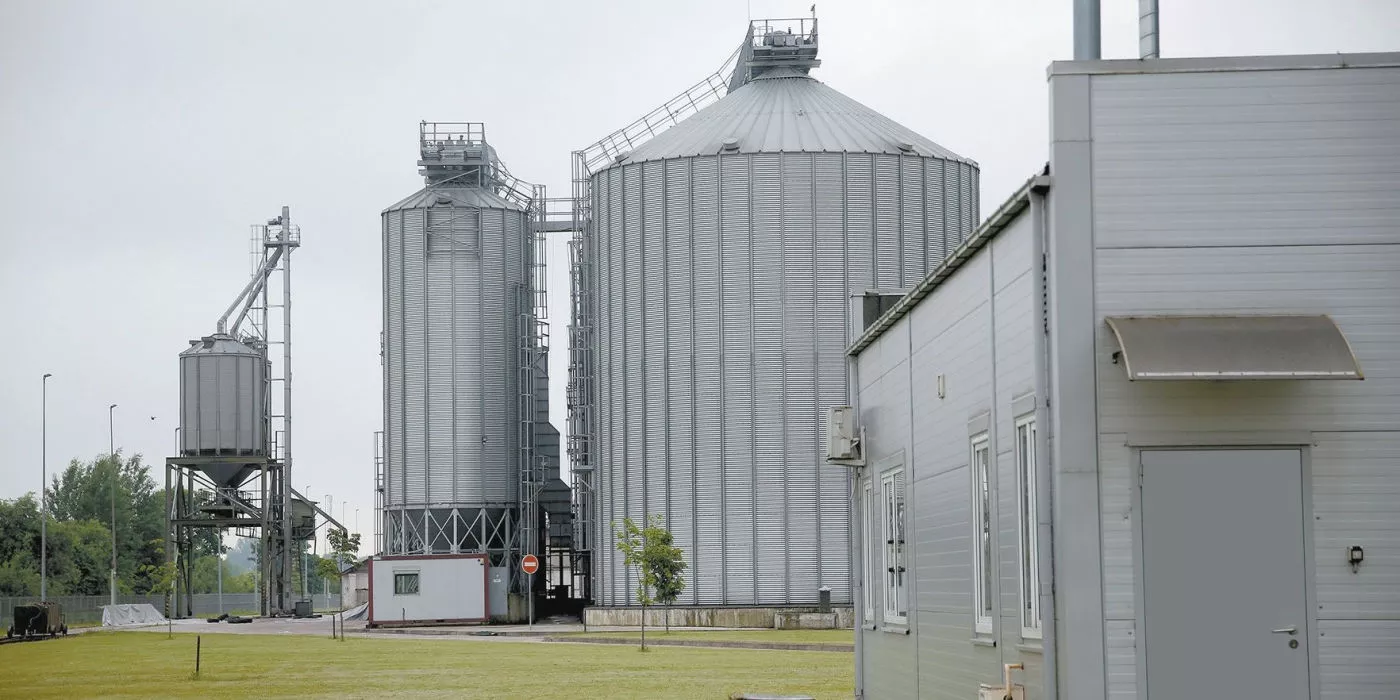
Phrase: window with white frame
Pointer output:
(892, 512)
(406, 583)
(982, 534)
(1027, 517)
(868, 534)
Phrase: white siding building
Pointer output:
(1125, 428)
(430, 589)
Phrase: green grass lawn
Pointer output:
(147, 665)
(776, 636)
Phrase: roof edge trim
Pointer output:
(1221, 64)
(1007, 213)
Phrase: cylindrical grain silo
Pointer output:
(726, 251)
(455, 267)
(223, 407)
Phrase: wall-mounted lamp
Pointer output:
(1355, 555)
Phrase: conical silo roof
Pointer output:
(786, 110)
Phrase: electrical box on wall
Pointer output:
(843, 438)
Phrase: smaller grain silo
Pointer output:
(466, 440)
(223, 409)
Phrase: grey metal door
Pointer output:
(1224, 580)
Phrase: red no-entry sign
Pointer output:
(530, 564)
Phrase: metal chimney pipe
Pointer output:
(1147, 29)
(1087, 35)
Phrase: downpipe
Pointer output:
(1045, 559)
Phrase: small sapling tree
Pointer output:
(667, 565)
(631, 541)
(660, 565)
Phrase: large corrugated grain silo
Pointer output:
(725, 253)
(456, 275)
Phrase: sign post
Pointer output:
(530, 564)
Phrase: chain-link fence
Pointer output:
(87, 609)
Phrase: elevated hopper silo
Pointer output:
(223, 406)
(456, 274)
(725, 252)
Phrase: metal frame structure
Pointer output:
(195, 500)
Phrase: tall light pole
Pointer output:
(112, 455)
(44, 494)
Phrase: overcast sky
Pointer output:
(138, 140)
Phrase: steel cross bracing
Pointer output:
(580, 393)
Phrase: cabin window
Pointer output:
(406, 584)
(1027, 519)
(892, 496)
(982, 534)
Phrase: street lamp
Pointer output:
(44, 494)
(112, 455)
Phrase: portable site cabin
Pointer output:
(1122, 437)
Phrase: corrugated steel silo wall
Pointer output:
(222, 405)
(450, 357)
(723, 286)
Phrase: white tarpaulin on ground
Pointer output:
(129, 615)
(357, 612)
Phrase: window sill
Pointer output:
(980, 641)
(1030, 646)
(899, 628)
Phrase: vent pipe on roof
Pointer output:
(1147, 29)
(1086, 30)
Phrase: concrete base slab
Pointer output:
(792, 620)
(754, 617)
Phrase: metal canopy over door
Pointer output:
(1224, 577)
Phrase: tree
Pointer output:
(84, 491)
(343, 546)
(19, 546)
(667, 564)
(659, 563)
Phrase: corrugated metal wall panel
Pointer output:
(415, 373)
(680, 429)
(635, 350)
(393, 359)
(831, 250)
(708, 577)
(466, 374)
(736, 283)
(769, 351)
(913, 225)
(936, 210)
(614, 300)
(651, 335)
(801, 467)
(860, 222)
(889, 252)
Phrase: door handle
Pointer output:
(1286, 630)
